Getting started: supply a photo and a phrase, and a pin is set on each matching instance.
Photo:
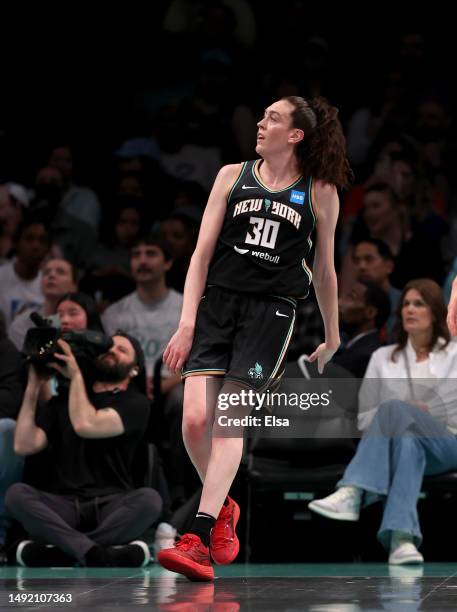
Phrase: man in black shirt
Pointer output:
(94, 511)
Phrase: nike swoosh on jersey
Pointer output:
(280, 314)
(247, 187)
(241, 251)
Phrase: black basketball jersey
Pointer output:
(265, 239)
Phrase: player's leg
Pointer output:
(200, 396)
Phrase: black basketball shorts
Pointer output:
(241, 336)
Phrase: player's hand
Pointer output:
(322, 355)
(178, 349)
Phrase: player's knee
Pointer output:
(194, 425)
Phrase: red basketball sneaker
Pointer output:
(224, 545)
(189, 557)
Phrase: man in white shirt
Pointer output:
(20, 279)
(151, 313)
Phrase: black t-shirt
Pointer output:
(94, 467)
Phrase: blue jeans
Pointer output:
(10, 469)
(401, 445)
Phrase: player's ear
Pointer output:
(134, 372)
(296, 136)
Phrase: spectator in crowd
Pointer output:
(387, 220)
(109, 277)
(152, 310)
(20, 278)
(58, 277)
(180, 230)
(94, 512)
(11, 390)
(151, 314)
(434, 138)
(139, 174)
(363, 313)
(80, 202)
(407, 412)
(77, 311)
(129, 186)
(73, 239)
(374, 263)
(13, 199)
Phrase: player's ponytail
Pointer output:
(322, 152)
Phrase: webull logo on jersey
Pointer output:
(275, 208)
(297, 197)
(260, 254)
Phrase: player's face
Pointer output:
(369, 265)
(275, 132)
(416, 314)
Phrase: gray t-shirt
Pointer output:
(151, 324)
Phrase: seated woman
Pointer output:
(407, 437)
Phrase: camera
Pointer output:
(40, 344)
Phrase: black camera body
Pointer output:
(40, 344)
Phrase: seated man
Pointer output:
(364, 310)
(94, 512)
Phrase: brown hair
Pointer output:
(322, 152)
(432, 295)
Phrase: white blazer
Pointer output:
(387, 380)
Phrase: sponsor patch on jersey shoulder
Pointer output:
(297, 197)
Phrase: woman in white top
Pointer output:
(407, 407)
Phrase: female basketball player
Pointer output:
(250, 265)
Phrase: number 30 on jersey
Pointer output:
(263, 232)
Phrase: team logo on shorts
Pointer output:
(297, 197)
(256, 372)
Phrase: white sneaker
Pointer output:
(403, 551)
(164, 538)
(343, 505)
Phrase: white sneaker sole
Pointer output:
(332, 514)
(412, 560)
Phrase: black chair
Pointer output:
(312, 463)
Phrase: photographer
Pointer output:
(94, 511)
